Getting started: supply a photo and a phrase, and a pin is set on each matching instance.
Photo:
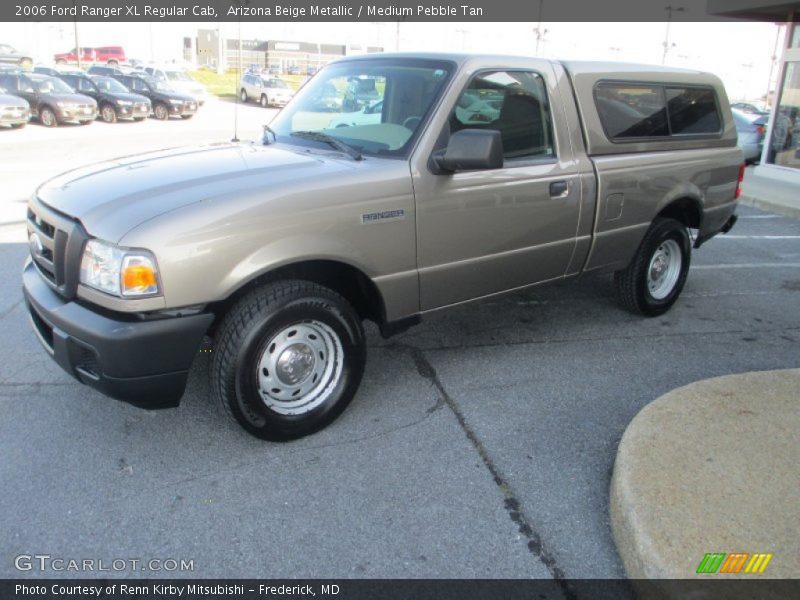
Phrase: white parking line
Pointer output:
(758, 237)
(786, 265)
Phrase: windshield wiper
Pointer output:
(318, 136)
(265, 140)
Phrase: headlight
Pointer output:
(117, 271)
(124, 103)
(176, 102)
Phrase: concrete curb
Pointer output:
(710, 467)
(771, 206)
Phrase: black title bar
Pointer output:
(365, 10)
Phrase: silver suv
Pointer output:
(267, 91)
(478, 176)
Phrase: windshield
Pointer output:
(339, 99)
(107, 84)
(51, 85)
(178, 76)
(161, 85)
(277, 83)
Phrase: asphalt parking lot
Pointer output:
(480, 444)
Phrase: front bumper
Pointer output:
(76, 114)
(137, 111)
(143, 362)
(16, 117)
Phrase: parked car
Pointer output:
(311, 71)
(751, 129)
(180, 81)
(51, 100)
(274, 70)
(10, 56)
(749, 108)
(111, 55)
(165, 100)
(326, 99)
(267, 91)
(114, 100)
(14, 111)
(280, 251)
(368, 115)
(293, 70)
(105, 70)
(88, 55)
(360, 92)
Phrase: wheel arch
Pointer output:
(686, 209)
(349, 281)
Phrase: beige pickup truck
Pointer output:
(434, 180)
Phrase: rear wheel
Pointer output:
(288, 359)
(160, 111)
(48, 117)
(264, 101)
(654, 279)
(108, 113)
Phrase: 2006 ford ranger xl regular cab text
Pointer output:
(445, 179)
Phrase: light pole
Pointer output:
(670, 9)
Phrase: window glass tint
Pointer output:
(631, 111)
(784, 146)
(513, 103)
(692, 110)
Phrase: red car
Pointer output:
(111, 55)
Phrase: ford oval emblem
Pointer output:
(35, 244)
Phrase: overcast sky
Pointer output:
(740, 53)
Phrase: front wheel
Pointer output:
(161, 112)
(243, 95)
(108, 114)
(48, 117)
(653, 280)
(288, 359)
(264, 101)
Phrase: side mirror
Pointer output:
(469, 150)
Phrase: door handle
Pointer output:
(559, 189)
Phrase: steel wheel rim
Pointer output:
(108, 114)
(264, 101)
(299, 367)
(161, 112)
(48, 118)
(664, 269)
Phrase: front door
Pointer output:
(483, 232)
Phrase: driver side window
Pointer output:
(513, 103)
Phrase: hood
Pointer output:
(71, 98)
(127, 96)
(7, 100)
(176, 95)
(112, 198)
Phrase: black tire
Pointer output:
(247, 337)
(632, 282)
(243, 96)
(47, 117)
(108, 113)
(161, 111)
(264, 101)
